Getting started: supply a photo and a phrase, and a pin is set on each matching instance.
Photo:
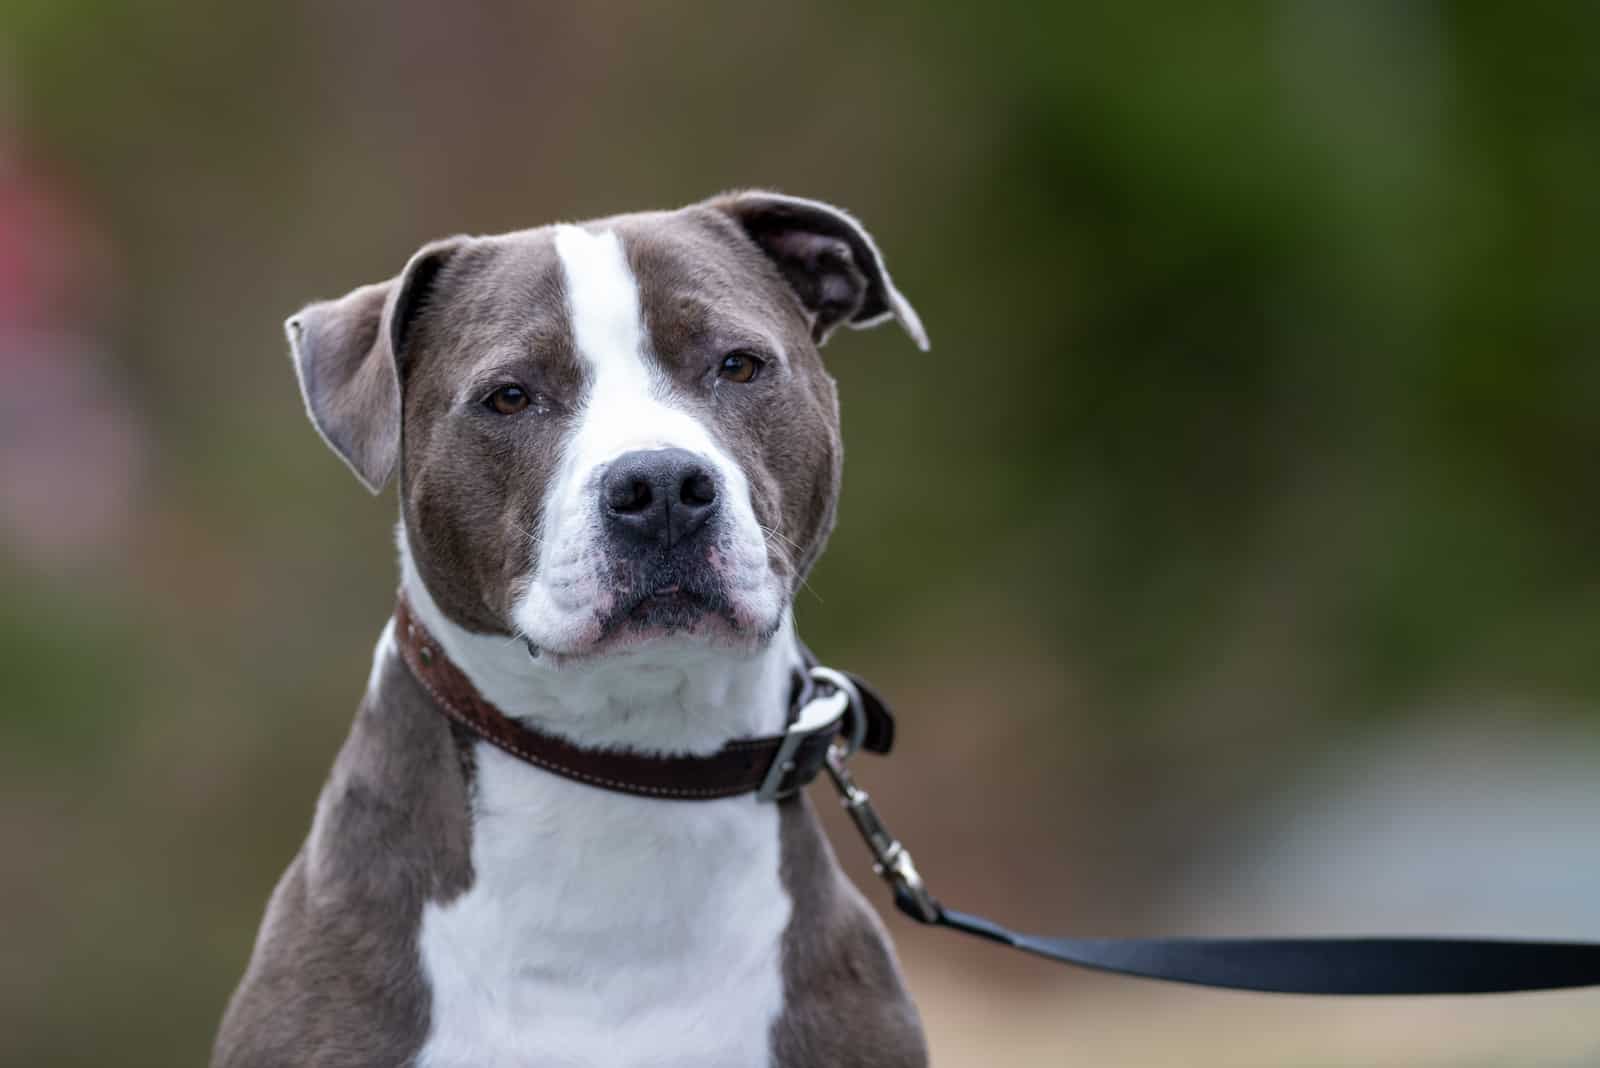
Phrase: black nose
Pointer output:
(658, 497)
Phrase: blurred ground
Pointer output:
(1252, 469)
(1068, 1024)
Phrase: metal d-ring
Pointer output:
(855, 713)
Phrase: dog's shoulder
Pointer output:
(334, 980)
(319, 991)
(845, 1001)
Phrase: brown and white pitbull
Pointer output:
(618, 455)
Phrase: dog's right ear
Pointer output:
(347, 354)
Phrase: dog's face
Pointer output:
(609, 434)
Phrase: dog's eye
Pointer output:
(740, 367)
(508, 400)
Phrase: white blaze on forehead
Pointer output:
(603, 299)
(628, 403)
(624, 406)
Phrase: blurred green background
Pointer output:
(1233, 558)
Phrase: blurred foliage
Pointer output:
(1262, 403)
(1316, 286)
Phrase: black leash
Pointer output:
(1277, 965)
(1316, 965)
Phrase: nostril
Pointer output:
(657, 497)
(629, 495)
(698, 490)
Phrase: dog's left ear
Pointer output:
(347, 354)
(828, 259)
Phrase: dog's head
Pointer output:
(607, 434)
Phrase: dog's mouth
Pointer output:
(663, 599)
(672, 607)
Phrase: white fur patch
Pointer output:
(608, 931)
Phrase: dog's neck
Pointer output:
(676, 699)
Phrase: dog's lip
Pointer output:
(671, 596)
(674, 593)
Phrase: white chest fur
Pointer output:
(606, 930)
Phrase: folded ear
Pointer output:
(828, 258)
(347, 355)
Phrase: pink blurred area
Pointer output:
(72, 447)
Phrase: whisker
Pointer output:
(788, 558)
(774, 532)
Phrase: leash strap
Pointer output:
(1315, 965)
(1277, 965)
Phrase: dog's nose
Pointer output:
(659, 497)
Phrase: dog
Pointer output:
(618, 455)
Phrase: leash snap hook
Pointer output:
(891, 860)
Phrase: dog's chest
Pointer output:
(603, 929)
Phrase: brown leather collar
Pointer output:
(774, 766)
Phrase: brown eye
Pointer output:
(740, 367)
(508, 400)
